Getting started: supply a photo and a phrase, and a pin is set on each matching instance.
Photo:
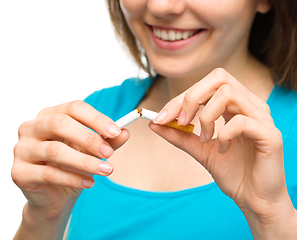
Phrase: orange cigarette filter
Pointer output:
(189, 128)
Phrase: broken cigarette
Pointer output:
(149, 115)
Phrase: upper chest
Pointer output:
(148, 162)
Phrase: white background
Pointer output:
(51, 52)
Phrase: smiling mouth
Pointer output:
(173, 35)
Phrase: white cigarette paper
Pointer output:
(149, 115)
(127, 119)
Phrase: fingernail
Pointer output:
(113, 130)
(88, 183)
(181, 118)
(161, 116)
(105, 168)
(106, 150)
(219, 148)
(202, 136)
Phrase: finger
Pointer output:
(28, 177)
(227, 100)
(120, 140)
(197, 95)
(170, 111)
(62, 126)
(86, 115)
(201, 93)
(263, 135)
(220, 81)
(61, 154)
(188, 142)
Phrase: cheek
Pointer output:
(231, 22)
(133, 8)
(133, 11)
(224, 14)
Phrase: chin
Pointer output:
(180, 66)
(176, 71)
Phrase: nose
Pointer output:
(164, 8)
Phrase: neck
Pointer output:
(249, 71)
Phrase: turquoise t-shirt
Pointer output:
(111, 211)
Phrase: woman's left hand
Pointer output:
(246, 157)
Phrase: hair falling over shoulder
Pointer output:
(273, 40)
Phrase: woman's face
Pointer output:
(183, 37)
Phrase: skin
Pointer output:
(234, 129)
(52, 165)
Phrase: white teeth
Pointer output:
(172, 35)
(178, 36)
(158, 33)
(186, 35)
(164, 35)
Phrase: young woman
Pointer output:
(229, 67)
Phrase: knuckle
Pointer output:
(57, 121)
(203, 119)
(277, 137)
(206, 123)
(98, 118)
(71, 181)
(52, 150)
(220, 73)
(267, 119)
(49, 175)
(188, 98)
(18, 149)
(17, 175)
(266, 108)
(275, 141)
(90, 139)
(72, 106)
(278, 134)
(43, 112)
(84, 164)
(226, 91)
(222, 135)
(20, 176)
(239, 121)
(24, 128)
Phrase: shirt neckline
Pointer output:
(156, 194)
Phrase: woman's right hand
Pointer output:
(58, 153)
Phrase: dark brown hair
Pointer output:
(273, 40)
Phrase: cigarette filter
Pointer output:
(189, 128)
